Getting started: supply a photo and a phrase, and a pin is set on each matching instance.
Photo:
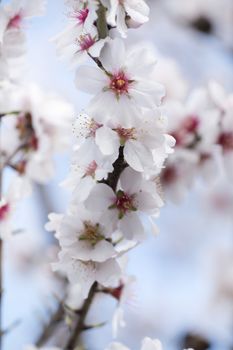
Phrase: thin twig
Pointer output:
(11, 156)
(80, 325)
(49, 328)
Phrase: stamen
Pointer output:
(91, 233)
(124, 203)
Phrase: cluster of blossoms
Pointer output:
(12, 35)
(34, 125)
(202, 127)
(121, 146)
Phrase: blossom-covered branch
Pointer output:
(121, 146)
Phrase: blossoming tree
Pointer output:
(131, 150)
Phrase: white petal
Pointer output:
(107, 140)
(137, 155)
(100, 198)
(113, 55)
(131, 227)
(90, 79)
(130, 181)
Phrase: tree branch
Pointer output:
(101, 23)
(80, 325)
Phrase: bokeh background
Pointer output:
(185, 274)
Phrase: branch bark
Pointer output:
(102, 25)
(80, 325)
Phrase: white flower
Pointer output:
(80, 37)
(12, 37)
(84, 236)
(123, 294)
(179, 174)
(127, 13)
(39, 130)
(86, 273)
(88, 166)
(195, 126)
(139, 142)
(120, 209)
(125, 84)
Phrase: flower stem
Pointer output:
(102, 26)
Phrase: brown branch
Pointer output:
(119, 165)
(101, 22)
(7, 162)
(49, 328)
(80, 324)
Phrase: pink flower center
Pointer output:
(119, 83)
(4, 210)
(85, 42)
(125, 134)
(226, 141)
(191, 124)
(187, 128)
(115, 292)
(81, 15)
(15, 22)
(169, 175)
(204, 157)
(124, 203)
(91, 168)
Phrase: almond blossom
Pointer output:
(123, 294)
(12, 37)
(41, 128)
(126, 13)
(85, 236)
(120, 209)
(85, 171)
(85, 273)
(195, 126)
(138, 142)
(121, 144)
(122, 84)
(77, 47)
